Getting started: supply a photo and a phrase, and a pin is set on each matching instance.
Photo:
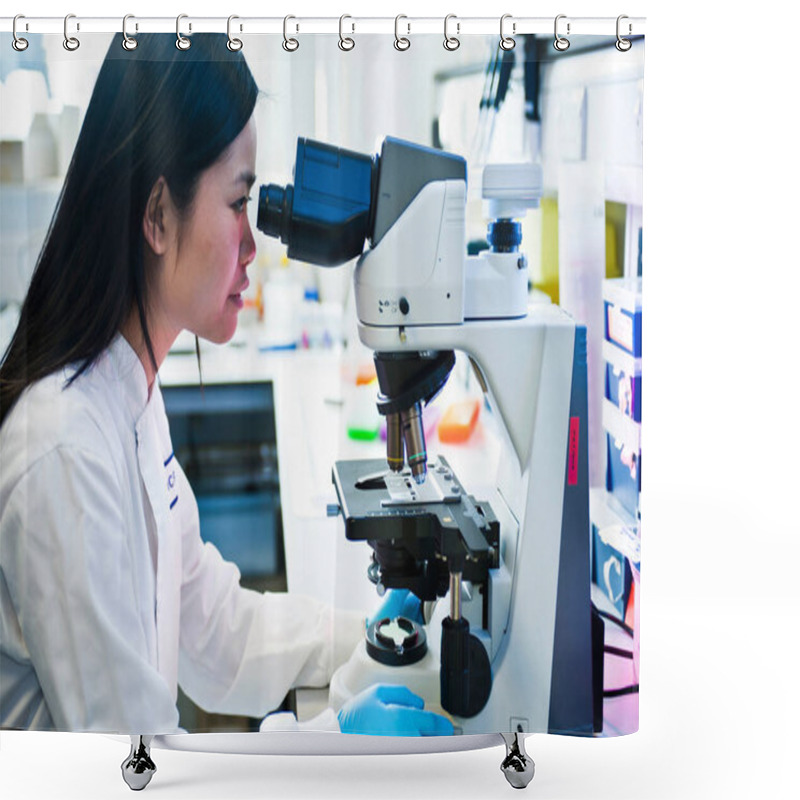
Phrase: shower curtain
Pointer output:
(237, 587)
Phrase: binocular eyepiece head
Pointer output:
(324, 218)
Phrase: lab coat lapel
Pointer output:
(156, 464)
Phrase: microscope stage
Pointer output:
(380, 505)
(440, 486)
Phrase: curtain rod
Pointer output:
(407, 26)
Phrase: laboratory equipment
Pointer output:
(516, 648)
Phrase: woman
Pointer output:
(108, 597)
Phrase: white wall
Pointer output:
(592, 110)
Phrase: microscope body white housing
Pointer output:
(415, 292)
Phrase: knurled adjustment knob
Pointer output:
(505, 236)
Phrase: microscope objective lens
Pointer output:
(419, 472)
(395, 455)
(414, 436)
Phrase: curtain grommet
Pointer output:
(234, 45)
(507, 42)
(128, 42)
(19, 44)
(71, 43)
(623, 45)
(401, 43)
(289, 43)
(346, 43)
(561, 43)
(182, 43)
(451, 43)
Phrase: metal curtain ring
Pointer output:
(345, 42)
(19, 44)
(561, 43)
(233, 44)
(401, 42)
(507, 42)
(289, 45)
(451, 42)
(182, 43)
(70, 42)
(623, 45)
(128, 42)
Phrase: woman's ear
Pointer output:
(157, 216)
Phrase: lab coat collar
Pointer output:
(126, 368)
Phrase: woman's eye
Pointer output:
(240, 204)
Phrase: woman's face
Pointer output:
(202, 279)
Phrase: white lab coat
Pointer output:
(108, 596)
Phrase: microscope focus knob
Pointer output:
(404, 307)
(505, 236)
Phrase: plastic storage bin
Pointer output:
(624, 457)
(622, 299)
(615, 549)
(623, 381)
(459, 421)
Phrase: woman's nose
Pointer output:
(247, 246)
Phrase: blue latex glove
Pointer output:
(386, 710)
(399, 603)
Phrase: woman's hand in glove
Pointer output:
(387, 710)
(399, 603)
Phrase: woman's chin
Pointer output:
(220, 335)
(225, 337)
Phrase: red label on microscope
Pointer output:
(572, 455)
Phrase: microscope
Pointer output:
(513, 646)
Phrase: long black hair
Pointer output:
(155, 111)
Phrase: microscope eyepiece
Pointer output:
(274, 210)
(325, 217)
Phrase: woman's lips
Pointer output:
(237, 298)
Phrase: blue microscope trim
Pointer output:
(324, 217)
